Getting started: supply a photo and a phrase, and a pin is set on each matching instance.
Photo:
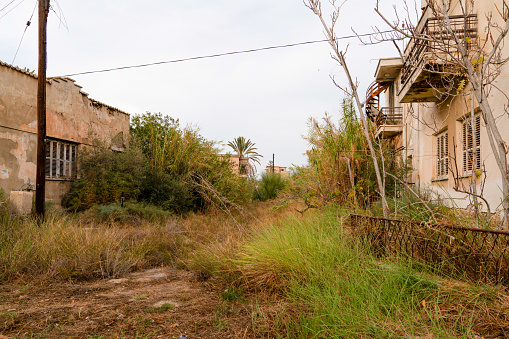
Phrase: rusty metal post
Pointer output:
(40, 180)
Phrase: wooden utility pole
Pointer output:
(40, 180)
(272, 162)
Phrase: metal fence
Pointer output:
(472, 253)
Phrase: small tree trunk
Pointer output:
(314, 5)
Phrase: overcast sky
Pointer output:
(265, 96)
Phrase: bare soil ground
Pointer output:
(156, 303)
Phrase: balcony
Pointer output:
(389, 122)
(428, 63)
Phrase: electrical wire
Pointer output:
(224, 54)
(26, 27)
(60, 15)
(7, 5)
(11, 8)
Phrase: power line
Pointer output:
(11, 8)
(224, 54)
(26, 27)
(1, 9)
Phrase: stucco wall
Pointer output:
(71, 116)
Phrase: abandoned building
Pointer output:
(429, 112)
(283, 171)
(240, 165)
(73, 121)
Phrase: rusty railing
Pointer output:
(442, 42)
(472, 253)
(390, 116)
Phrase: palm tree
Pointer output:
(245, 149)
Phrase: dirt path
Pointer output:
(156, 303)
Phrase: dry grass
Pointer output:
(86, 247)
(68, 247)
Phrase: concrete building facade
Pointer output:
(74, 121)
(240, 165)
(437, 127)
(283, 171)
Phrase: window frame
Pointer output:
(61, 160)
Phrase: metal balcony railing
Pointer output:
(390, 116)
(442, 42)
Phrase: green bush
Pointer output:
(270, 185)
(167, 166)
(105, 177)
(168, 192)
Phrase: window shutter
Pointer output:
(48, 158)
(446, 153)
(478, 141)
(442, 154)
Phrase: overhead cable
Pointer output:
(223, 54)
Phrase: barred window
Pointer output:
(61, 159)
(443, 154)
(469, 163)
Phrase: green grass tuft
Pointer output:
(341, 290)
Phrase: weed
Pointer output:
(145, 322)
(141, 296)
(72, 247)
(184, 298)
(8, 315)
(24, 288)
(231, 294)
(165, 307)
(270, 185)
(219, 324)
(161, 309)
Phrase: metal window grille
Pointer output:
(443, 154)
(471, 159)
(61, 160)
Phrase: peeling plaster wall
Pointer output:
(71, 116)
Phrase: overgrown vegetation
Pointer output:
(324, 279)
(270, 185)
(340, 169)
(75, 247)
(168, 166)
(333, 287)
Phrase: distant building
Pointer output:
(240, 164)
(283, 171)
(73, 121)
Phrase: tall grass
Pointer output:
(110, 241)
(72, 247)
(341, 290)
